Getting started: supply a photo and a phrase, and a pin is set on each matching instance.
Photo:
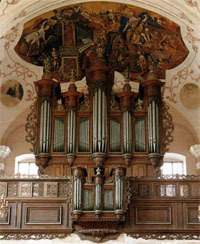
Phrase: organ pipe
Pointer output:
(153, 127)
(84, 140)
(99, 121)
(71, 131)
(119, 188)
(45, 126)
(59, 130)
(98, 196)
(78, 177)
(127, 131)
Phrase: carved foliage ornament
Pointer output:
(17, 236)
(168, 127)
(166, 236)
(31, 126)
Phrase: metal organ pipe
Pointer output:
(98, 196)
(71, 131)
(100, 125)
(119, 193)
(127, 132)
(41, 126)
(99, 121)
(153, 127)
(45, 127)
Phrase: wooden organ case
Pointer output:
(106, 145)
(99, 138)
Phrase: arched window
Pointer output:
(173, 164)
(25, 165)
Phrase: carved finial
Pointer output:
(127, 75)
(98, 172)
(47, 64)
(100, 48)
(72, 76)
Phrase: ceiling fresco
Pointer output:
(132, 37)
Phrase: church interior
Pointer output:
(100, 121)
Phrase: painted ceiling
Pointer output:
(132, 37)
(140, 35)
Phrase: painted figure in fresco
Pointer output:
(33, 39)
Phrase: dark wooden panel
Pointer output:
(50, 215)
(153, 215)
(43, 215)
(9, 221)
(192, 215)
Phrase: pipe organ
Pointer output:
(101, 119)
(99, 144)
(98, 135)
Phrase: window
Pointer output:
(173, 164)
(25, 165)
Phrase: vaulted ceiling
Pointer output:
(168, 30)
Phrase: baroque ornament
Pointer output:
(168, 127)
(166, 236)
(18, 236)
(31, 126)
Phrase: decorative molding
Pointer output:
(34, 177)
(167, 236)
(165, 177)
(99, 234)
(18, 236)
(193, 4)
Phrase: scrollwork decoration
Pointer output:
(167, 236)
(18, 236)
(31, 126)
(128, 194)
(168, 127)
